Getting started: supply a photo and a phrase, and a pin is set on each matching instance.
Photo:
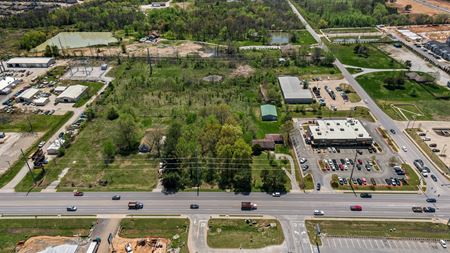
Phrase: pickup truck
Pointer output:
(417, 209)
(135, 205)
(248, 206)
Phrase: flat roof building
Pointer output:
(293, 91)
(71, 94)
(345, 132)
(269, 112)
(30, 62)
(41, 101)
(28, 95)
(7, 84)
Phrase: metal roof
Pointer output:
(29, 94)
(292, 88)
(73, 91)
(339, 129)
(268, 109)
(28, 60)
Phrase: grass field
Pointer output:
(426, 99)
(27, 122)
(373, 228)
(309, 182)
(376, 58)
(236, 233)
(261, 162)
(305, 111)
(161, 227)
(304, 38)
(12, 231)
(354, 70)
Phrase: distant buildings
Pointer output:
(71, 94)
(439, 48)
(28, 95)
(348, 132)
(269, 112)
(293, 91)
(30, 62)
(7, 84)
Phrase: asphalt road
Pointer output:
(93, 203)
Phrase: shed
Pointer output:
(269, 112)
(293, 91)
(59, 89)
(30, 62)
(27, 95)
(41, 101)
(72, 94)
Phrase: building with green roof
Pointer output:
(269, 112)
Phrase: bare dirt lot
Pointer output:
(417, 8)
(40, 243)
(442, 142)
(242, 70)
(10, 149)
(439, 32)
(141, 245)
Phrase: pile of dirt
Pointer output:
(141, 245)
(242, 70)
(40, 243)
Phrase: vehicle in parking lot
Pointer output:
(364, 181)
(443, 244)
(359, 181)
(429, 209)
(404, 149)
(365, 195)
(116, 197)
(356, 208)
(359, 152)
(392, 131)
(194, 206)
(276, 194)
(433, 177)
(417, 209)
(431, 200)
(71, 209)
(318, 186)
(305, 166)
(424, 173)
(319, 212)
(372, 180)
(41, 144)
(433, 145)
(360, 161)
(422, 134)
(303, 160)
(436, 150)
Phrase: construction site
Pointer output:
(140, 245)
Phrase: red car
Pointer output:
(364, 181)
(360, 161)
(341, 167)
(78, 194)
(356, 208)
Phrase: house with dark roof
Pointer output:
(269, 112)
(269, 141)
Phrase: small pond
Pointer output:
(277, 38)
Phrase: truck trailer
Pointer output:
(248, 206)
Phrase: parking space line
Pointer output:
(364, 242)
(407, 244)
(340, 243)
(376, 243)
(334, 243)
(359, 245)
(395, 244)
(353, 242)
(387, 244)
(370, 242)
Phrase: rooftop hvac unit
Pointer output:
(317, 129)
(342, 129)
(360, 135)
(337, 123)
(328, 123)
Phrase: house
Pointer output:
(293, 91)
(269, 112)
(72, 94)
(28, 95)
(269, 141)
(30, 62)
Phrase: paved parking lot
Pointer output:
(357, 245)
(338, 102)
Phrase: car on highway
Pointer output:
(392, 131)
(71, 209)
(303, 160)
(276, 194)
(318, 186)
(436, 150)
(319, 212)
(116, 197)
(433, 177)
(431, 200)
(365, 195)
(417, 209)
(429, 209)
(194, 206)
(356, 208)
(78, 194)
(443, 243)
(404, 149)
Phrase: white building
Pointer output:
(53, 149)
(348, 132)
(30, 62)
(7, 84)
(71, 94)
(59, 89)
(28, 95)
(293, 91)
(41, 101)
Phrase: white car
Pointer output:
(276, 194)
(303, 160)
(404, 149)
(443, 244)
(319, 212)
(41, 144)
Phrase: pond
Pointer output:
(78, 39)
(279, 38)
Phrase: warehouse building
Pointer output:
(293, 91)
(28, 95)
(42, 101)
(72, 94)
(348, 132)
(30, 62)
(269, 112)
(7, 84)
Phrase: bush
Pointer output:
(112, 114)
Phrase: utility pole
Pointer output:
(31, 126)
(26, 162)
(351, 174)
(149, 60)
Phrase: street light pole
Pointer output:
(351, 174)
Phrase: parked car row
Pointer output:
(356, 181)
(346, 164)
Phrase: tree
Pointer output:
(108, 151)
(32, 39)
(112, 113)
(413, 92)
(328, 60)
(361, 50)
(273, 180)
(408, 7)
(408, 64)
(126, 136)
(316, 54)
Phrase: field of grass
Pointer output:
(236, 233)
(160, 227)
(261, 162)
(27, 122)
(93, 88)
(376, 58)
(426, 96)
(382, 229)
(309, 182)
(354, 70)
(306, 111)
(304, 38)
(12, 231)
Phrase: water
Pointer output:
(78, 39)
(279, 38)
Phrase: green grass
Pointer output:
(309, 182)
(350, 30)
(304, 38)
(27, 122)
(423, 145)
(261, 162)
(373, 228)
(12, 231)
(376, 59)
(352, 95)
(354, 70)
(427, 97)
(158, 227)
(236, 233)
(15, 168)
(307, 111)
(93, 88)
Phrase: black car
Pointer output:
(116, 197)
(358, 167)
(429, 209)
(318, 186)
(433, 145)
(194, 206)
(388, 181)
(434, 178)
(436, 150)
(359, 152)
(365, 195)
(359, 181)
(392, 131)
(431, 200)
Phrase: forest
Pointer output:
(360, 13)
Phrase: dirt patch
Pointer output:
(417, 8)
(242, 70)
(40, 243)
(141, 245)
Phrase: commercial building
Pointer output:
(269, 112)
(30, 62)
(71, 94)
(41, 101)
(59, 89)
(7, 84)
(345, 132)
(28, 95)
(293, 91)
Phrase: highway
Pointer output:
(400, 137)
